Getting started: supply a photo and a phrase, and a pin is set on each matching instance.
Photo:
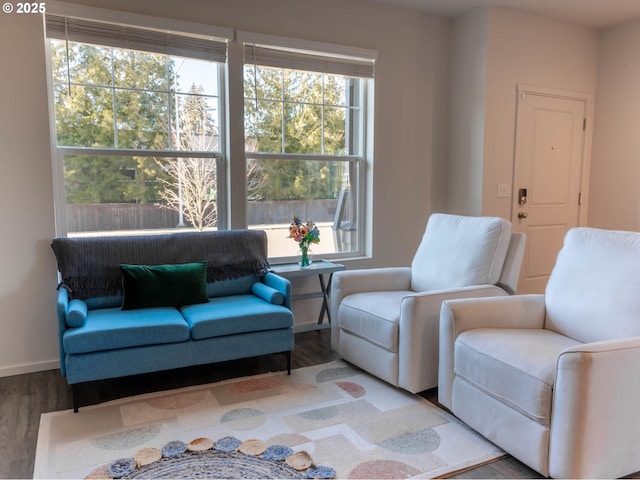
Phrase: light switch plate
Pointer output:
(504, 190)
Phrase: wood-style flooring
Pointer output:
(24, 397)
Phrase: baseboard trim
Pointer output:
(29, 368)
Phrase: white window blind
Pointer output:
(135, 38)
(307, 61)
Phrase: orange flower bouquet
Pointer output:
(305, 234)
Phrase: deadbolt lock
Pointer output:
(522, 196)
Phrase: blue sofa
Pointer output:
(245, 311)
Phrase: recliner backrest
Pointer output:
(593, 292)
(459, 251)
(510, 275)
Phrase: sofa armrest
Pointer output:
(281, 284)
(347, 282)
(457, 316)
(62, 306)
(418, 329)
(595, 403)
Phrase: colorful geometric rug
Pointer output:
(337, 417)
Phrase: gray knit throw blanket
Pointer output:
(90, 267)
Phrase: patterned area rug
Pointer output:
(341, 419)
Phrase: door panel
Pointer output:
(543, 239)
(548, 164)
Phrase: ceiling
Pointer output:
(590, 13)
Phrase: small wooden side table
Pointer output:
(318, 267)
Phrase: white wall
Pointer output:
(466, 133)
(517, 49)
(615, 166)
(526, 49)
(27, 275)
(410, 146)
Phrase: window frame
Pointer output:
(231, 159)
(58, 152)
(358, 162)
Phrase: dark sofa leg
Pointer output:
(288, 355)
(74, 393)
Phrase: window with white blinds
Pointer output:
(306, 130)
(139, 112)
(139, 126)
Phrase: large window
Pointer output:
(137, 126)
(305, 134)
(141, 139)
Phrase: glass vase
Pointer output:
(305, 257)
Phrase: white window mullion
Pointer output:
(222, 171)
(114, 102)
(322, 112)
(283, 116)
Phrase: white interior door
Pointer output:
(547, 177)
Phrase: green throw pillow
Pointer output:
(163, 285)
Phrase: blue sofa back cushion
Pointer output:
(267, 293)
(76, 313)
(236, 286)
(221, 288)
(174, 285)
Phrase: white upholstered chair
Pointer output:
(385, 320)
(554, 379)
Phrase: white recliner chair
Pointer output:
(554, 379)
(386, 320)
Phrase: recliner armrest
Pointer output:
(418, 329)
(457, 316)
(371, 280)
(347, 282)
(595, 404)
(514, 311)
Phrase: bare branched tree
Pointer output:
(256, 176)
(191, 188)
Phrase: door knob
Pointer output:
(522, 215)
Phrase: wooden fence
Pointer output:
(132, 216)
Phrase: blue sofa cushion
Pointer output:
(76, 313)
(104, 302)
(235, 314)
(267, 293)
(233, 286)
(112, 328)
(164, 285)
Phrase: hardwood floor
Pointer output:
(24, 397)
